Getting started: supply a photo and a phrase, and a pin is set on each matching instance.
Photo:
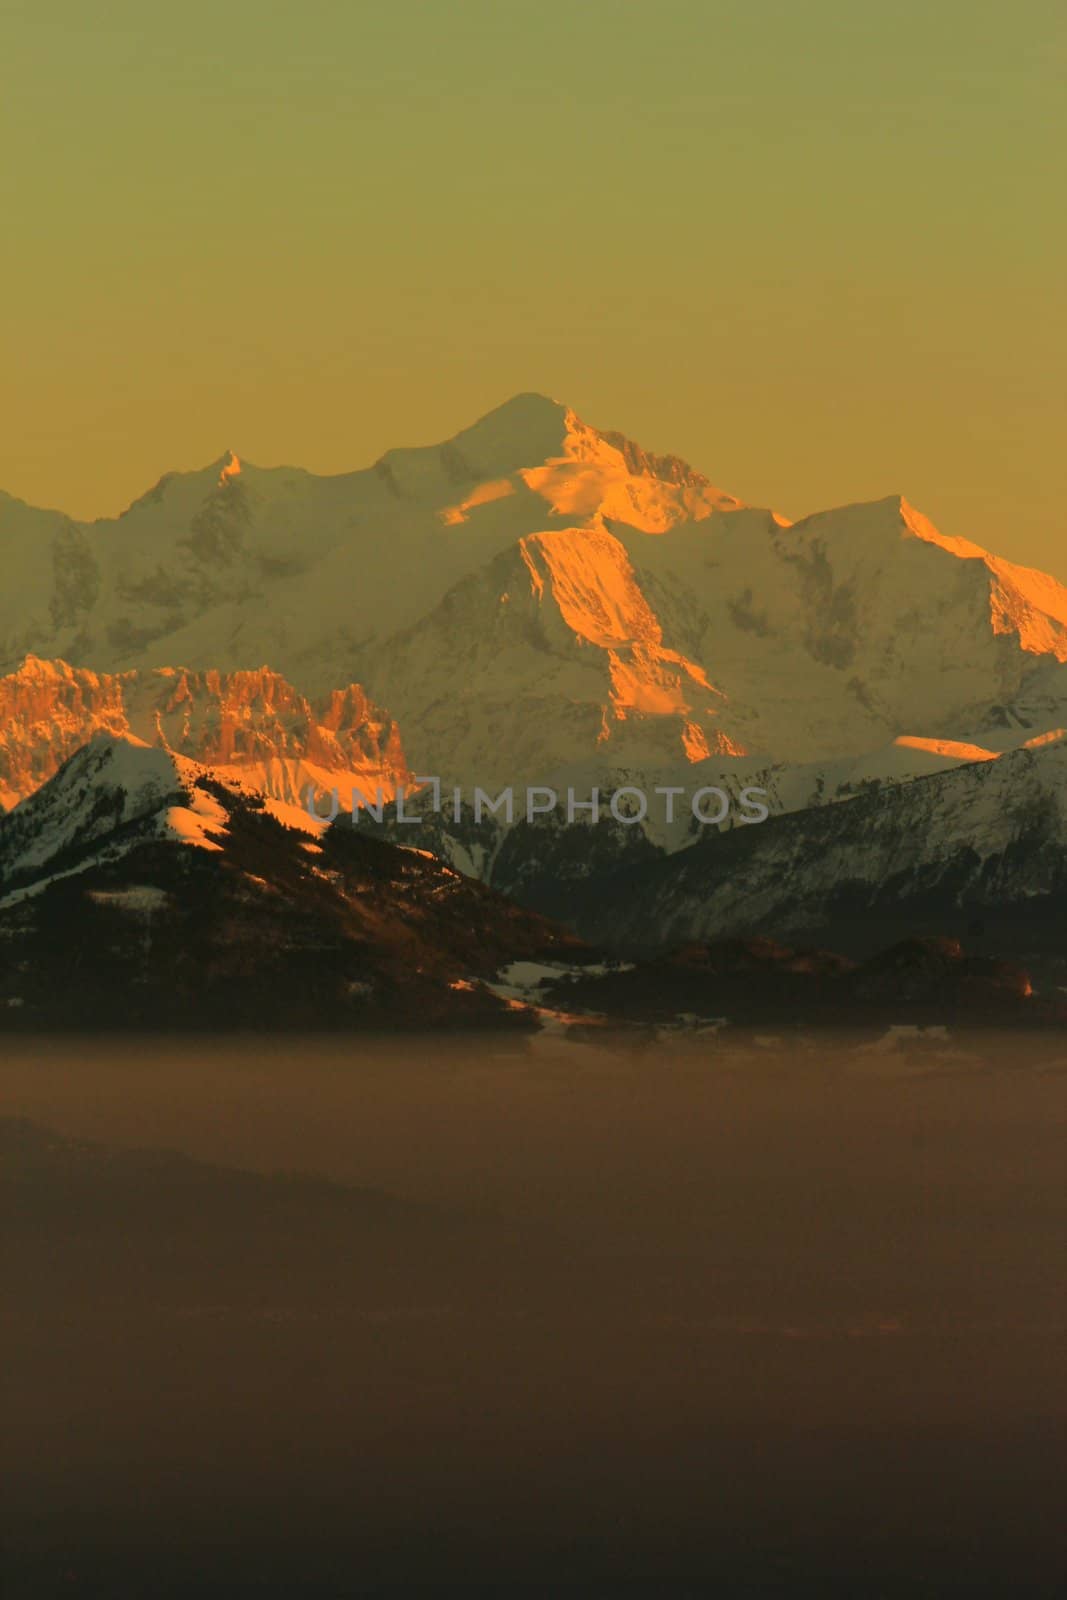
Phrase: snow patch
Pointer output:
(201, 823)
(140, 898)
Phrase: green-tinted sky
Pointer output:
(816, 246)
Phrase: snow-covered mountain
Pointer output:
(137, 889)
(536, 592)
(543, 859)
(251, 726)
(111, 795)
(536, 602)
(730, 635)
(978, 850)
(199, 567)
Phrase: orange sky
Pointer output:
(813, 249)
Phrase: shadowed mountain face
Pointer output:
(845, 857)
(981, 850)
(138, 890)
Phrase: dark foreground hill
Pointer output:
(137, 891)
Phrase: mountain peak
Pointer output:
(533, 430)
(111, 783)
(34, 669)
(522, 432)
(525, 406)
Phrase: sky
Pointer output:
(817, 249)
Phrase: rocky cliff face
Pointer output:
(47, 710)
(251, 724)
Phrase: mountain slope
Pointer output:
(981, 847)
(137, 890)
(849, 628)
(545, 860)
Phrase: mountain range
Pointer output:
(537, 601)
(536, 592)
